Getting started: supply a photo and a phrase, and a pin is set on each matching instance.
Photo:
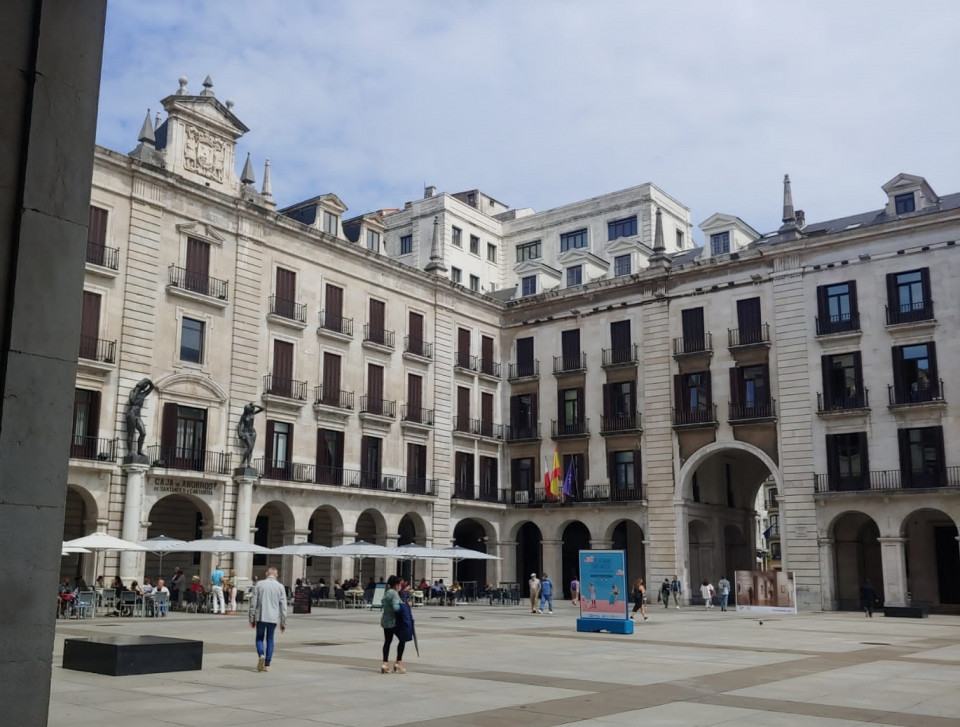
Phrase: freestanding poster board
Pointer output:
(765, 591)
(604, 599)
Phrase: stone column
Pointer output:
(894, 561)
(293, 566)
(552, 555)
(130, 561)
(828, 578)
(346, 566)
(507, 565)
(243, 527)
(390, 564)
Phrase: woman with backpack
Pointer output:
(639, 597)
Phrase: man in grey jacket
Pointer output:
(268, 608)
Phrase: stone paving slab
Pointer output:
(483, 665)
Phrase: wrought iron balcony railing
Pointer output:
(333, 397)
(198, 282)
(700, 416)
(335, 323)
(755, 336)
(842, 323)
(570, 364)
(416, 415)
(187, 458)
(916, 392)
(749, 412)
(284, 387)
(620, 423)
(417, 347)
(523, 370)
(690, 345)
(97, 349)
(379, 336)
(93, 448)
(378, 406)
(910, 312)
(845, 401)
(105, 257)
(626, 356)
(288, 309)
(522, 432)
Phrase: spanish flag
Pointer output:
(557, 475)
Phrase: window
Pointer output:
(97, 236)
(373, 240)
(474, 245)
(570, 351)
(285, 296)
(750, 391)
(86, 425)
(330, 223)
(279, 449)
(406, 244)
(694, 335)
(623, 469)
(491, 253)
(488, 479)
(571, 407)
(720, 243)
(90, 326)
(524, 416)
(370, 461)
(627, 227)
(908, 296)
(847, 464)
(922, 463)
(905, 203)
(191, 340)
(621, 399)
(475, 283)
(528, 285)
(329, 457)
(463, 470)
(842, 381)
(523, 474)
(621, 265)
(456, 275)
(915, 374)
(679, 239)
(750, 326)
(525, 360)
(417, 468)
(837, 308)
(693, 392)
(197, 271)
(457, 237)
(574, 275)
(621, 348)
(572, 240)
(528, 251)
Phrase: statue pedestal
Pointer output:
(136, 459)
(246, 472)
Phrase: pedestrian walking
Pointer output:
(676, 588)
(216, 590)
(706, 592)
(546, 594)
(639, 597)
(268, 609)
(664, 594)
(534, 584)
(724, 585)
(390, 606)
(868, 597)
(575, 592)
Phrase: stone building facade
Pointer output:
(420, 368)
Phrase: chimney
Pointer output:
(428, 192)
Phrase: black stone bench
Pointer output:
(125, 655)
(906, 611)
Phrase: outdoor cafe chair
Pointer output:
(108, 599)
(83, 604)
(129, 605)
(160, 601)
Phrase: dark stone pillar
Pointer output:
(50, 55)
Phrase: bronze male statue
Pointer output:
(138, 395)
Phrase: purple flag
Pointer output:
(568, 490)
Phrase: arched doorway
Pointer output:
(628, 536)
(737, 554)
(273, 521)
(371, 528)
(472, 574)
(856, 558)
(933, 560)
(324, 523)
(80, 512)
(529, 554)
(576, 537)
(411, 530)
(701, 553)
(185, 518)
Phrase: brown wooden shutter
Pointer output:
(620, 335)
(833, 469)
(525, 356)
(268, 454)
(633, 400)
(748, 319)
(486, 354)
(708, 388)
(570, 347)
(331, 379)
(377, 319)
(607, 403)
(637, 469)
(414, 397)
(515, 413)
(333, 306)
(858, 377)
(97, 231)
(693, 329)
(463, 408)
(941, 459)
(899, 375)
(934, 377)
(323, 455)
(854, 309)
(198, 266)
(925, 285)
(906, 470)
(93, 415)
(823, 309)
(89, 325)
(416, 333)
(289, 446)
(463, 347)
(375, 388)
(534, 410)
(581, 419)
(828, 395)
(282, 368)
(864, 460)
(486, 413)
(893, 301)
(168, 430)
(734, 386)
(286, 295)
(678, 399)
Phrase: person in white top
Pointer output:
(160, 604)
(706, 591)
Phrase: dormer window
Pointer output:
(373, 241)
(573, 240)
(330, 223)
(905, 203)
(627, 227)
(720, 243)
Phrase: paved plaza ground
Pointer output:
(500, 665)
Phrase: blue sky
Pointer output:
(544, 103)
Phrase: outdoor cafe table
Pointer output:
(355, 597)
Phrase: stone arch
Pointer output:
(371, 526)
(574, 537)
(473, 533)
(685, 478)
(529, 538)
(856, 555)
(183, 516)
(192, 385)
(80, 516)
(324, 527)
(273, 520)
(932, 559)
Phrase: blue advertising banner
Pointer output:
(603, 585)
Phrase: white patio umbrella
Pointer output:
(220, 544)
(362, 549)
(304, 550)
(73, 550)
(413, 551)
(456, 553)
(162, 544)
(101, 541)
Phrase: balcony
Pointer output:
(916, 394)
(284, 388)
(569, 430)
(919, 312)
(489, 368)
(565, 365)
(478, 493)
(845, 404)
(106, 260)
(617, 357)
(186, 458)
(700, 417)
(761, 411)
(287, 312)
(348, 478)
(591, 494)
(887, 481)
(740, 338)
(416, 416)
(332, 402)
(378, 338)
(378, 407)
(464, 491)
(417, 349)
(838, 324)
(465, 362)
(523, 370)
(522, 433)
(335, 326)
(92, 448)
(97, 355)
(693, 346)
(620, 424)
(197, 286)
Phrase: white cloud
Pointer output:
(543, 103)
